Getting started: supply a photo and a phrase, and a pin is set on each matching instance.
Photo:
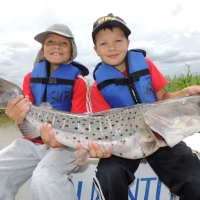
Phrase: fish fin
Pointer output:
(46, 105)
(28, 130)
(148, 147)
(82, 156)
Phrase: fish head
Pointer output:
(8, 91)
(178, 117)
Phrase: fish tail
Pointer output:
(8, 91)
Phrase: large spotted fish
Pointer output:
(128, 131)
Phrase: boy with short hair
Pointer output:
(58, 79)
(125, 78)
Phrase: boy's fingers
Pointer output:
(18, 108)
(95, 150)
(107, 153)
(53, 142)
(79, 146)
(13, 103)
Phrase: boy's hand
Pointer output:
(18, 108)
(95, 150)
(192, 90)
(48, 136)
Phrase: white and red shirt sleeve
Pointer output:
(80, 101)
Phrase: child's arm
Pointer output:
(80, 101)
(188, 91)
(98, 101)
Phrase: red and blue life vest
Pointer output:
(56, 89)
(121, 91)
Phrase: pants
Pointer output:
(48, 167)
(178, 168)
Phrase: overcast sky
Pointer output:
(168, 30)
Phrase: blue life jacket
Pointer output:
(58, 88)
(117, 89)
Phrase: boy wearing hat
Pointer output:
(56, 78)
(125, 78)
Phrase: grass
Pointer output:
(181, 81)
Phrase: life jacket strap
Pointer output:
(50, 80)
(134, 77)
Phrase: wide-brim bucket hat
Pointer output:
(59, 29)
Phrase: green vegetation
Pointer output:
(176, 83)
(2, 112)
(181, 81)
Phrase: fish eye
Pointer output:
(183, 102)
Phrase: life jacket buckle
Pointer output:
(52, 80)
(134, 78)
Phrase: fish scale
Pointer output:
(128, 132)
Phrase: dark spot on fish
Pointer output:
(133, 117)
(60, 126)
(105, 127)
(116, 121)
(56, 132)
(73, 122)
(56, 117)
(112, 125)
(74, 138)
(128, 118)
(84, 119)
(81, 133)
(87, 129)
(49, 122)
(121, 135)
(91, 122)
(122, 124)
(93, 134)
(83, 124)
(66, 125)
(136, 126)
(78, 121)
(79, 141)
(63, 119)
(76, 128)
(126, 130)
(122, 119)
(120, 154)
(98, 128)
(86, 138)
(42, 120)
(130, 133)
(106, 137)
(99, 138)
(58, 121)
